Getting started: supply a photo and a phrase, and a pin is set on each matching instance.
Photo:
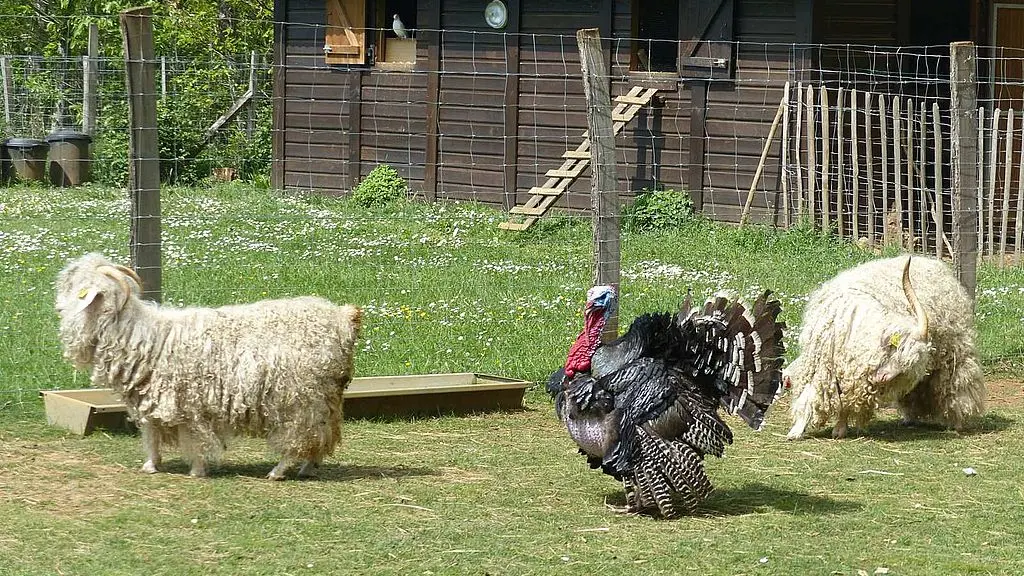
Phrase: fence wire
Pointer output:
(853, 140)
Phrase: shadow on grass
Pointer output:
(331, 472)
(897, 431)
(756, 498)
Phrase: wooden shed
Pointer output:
(471, 110)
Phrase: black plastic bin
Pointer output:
(28, 158)
(69, 157)
(5, 164)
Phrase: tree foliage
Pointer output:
(206, 45)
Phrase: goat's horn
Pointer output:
(915, 305)
(130, 273)
(116, 274)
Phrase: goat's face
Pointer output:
(91, 294)
(904, 354)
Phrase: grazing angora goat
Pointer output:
(885, 332)
(196, 376)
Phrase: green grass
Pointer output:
(444, 290)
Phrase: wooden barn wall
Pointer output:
(740, 112)
(471, 157)
(316, 105)
(471, 121)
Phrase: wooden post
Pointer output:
(250, 121)
(811, 156)
(869, 160)
(840, 163)
(938, 211)
(826, 162)
(510, 151)
(1007, 175)
(90, 80)
(8, 87)
(603, 185)
(144, 150)
(897, 170)
(992, 169)
(745, 213)
(796, 151)
(163, 77)
(786, 208)
(963, 81)
(855, 157)
(884, 131)
(981, 181)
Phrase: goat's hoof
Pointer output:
(201, 473)
(149, 467)
(308, 470)
(276, 477)
(839, 433)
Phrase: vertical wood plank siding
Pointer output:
(476, 141)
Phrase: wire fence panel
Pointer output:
(488, 129)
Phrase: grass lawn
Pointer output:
(445, 291)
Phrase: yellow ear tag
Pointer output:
(894, 340)
(82, 293)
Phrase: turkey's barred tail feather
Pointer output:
(736, 350)
(669, 471)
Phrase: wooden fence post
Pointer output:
(144, 151)
(604, 193)
(8, 85)
(963, 81)
(90, 80)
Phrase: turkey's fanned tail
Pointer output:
(666, 468)
(736, 351)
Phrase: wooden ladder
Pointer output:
(575, 161)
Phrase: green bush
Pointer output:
(381, 187)
(659, 209)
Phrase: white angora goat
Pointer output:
(196, 376)
(885, 332)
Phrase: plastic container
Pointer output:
(28, 158)
(69, 157)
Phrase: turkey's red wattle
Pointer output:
(583, 348)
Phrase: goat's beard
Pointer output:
(79, 339)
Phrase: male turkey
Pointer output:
(644, 407)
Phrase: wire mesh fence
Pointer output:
(490, 129)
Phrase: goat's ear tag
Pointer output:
(894, 340)
(85, 297)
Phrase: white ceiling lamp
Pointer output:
(496, 14)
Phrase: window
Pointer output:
(655, 35)
(352, 38)
(693, 38)
(391, 49)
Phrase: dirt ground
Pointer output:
(1004, 392)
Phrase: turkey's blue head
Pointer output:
(601, 303)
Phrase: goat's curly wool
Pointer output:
(196, 376)
(861, 348)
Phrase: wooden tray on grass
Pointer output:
(82, 411)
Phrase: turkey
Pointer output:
(644, 407)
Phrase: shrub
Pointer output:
(659, 209)
(381, 187)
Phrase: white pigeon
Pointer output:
(399, 28)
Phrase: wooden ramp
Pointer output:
(575, 161)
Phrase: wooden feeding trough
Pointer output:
(82, 411)
(432, 395)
